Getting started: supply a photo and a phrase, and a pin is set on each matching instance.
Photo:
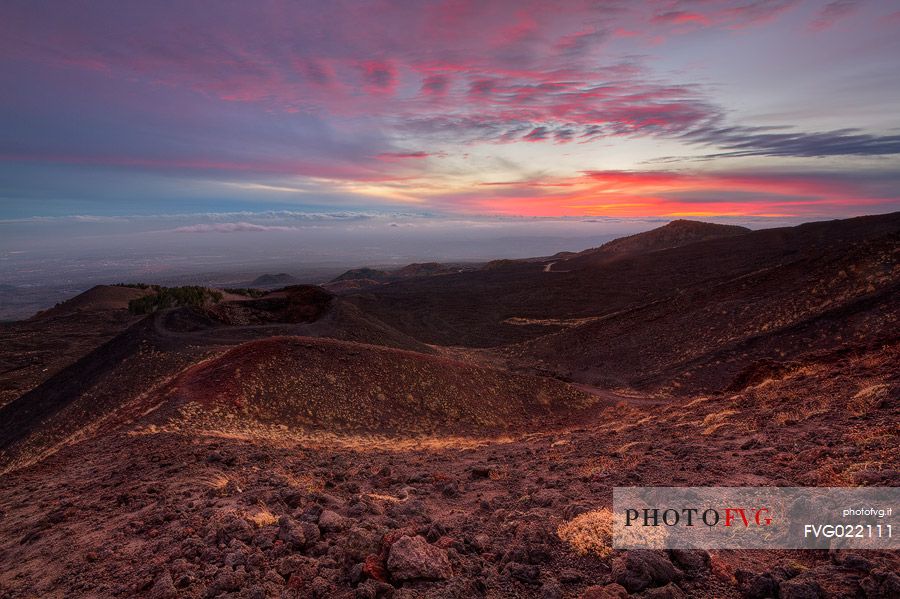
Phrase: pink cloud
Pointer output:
(395, 156)
(378, 76)
(833, 12)
(681, 17)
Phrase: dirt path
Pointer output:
(614, 397)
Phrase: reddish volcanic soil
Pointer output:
(306, 445)
(318, 384)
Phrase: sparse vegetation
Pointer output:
(262, 517)
(588, 533)
(245, 291)
(136, 285)
(171, 297)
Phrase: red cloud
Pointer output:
(668, 193)
(681, 17)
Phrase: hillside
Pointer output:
(100, 298)
(674, 234)
(522, 301)
(704, 338)
(32, 351)
(371, 274)
(91, 386)
(336, 386)
(366, 277)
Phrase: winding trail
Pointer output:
(614, 397)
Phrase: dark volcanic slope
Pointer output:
(94, 386)
(675, 234)
(100, 298)
(474, 308)
(714, 337)
(33, 350)
(335, 386)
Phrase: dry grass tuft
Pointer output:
(867, 399)
(695, 402)
(590, 532)
(262, 517)
(214, 480)
(634, 447)
(715, 421)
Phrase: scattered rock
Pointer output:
(372, 589)
(303, 566)
(374, 568)
(235, 527)
(226, 580)
(853, 561)
(690, 560)
(881, 584)
(310, 532)
(670, 591)
(479, 472)
(481, 542)
(529, 574)
(291, 532)
(569, 576)
(797, 588)
(546, 497)
(610, 591)
(320, 588)
(758, 586)
(412, 558)
(292, 497)
(639, 568)
(551, 589)
(164, 587)
(330, 521)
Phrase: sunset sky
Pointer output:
(746, 108)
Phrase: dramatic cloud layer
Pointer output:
(668, 107)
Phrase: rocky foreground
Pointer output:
(162, 512)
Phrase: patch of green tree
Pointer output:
(136, 285)
(173, 297)
(246, 291)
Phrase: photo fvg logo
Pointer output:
(710, 517)
(754, 517)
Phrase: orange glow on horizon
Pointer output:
(635, 194)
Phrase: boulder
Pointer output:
(670, 591)
(798, 588)
(291, 532)
(412, 558)
(640, 568)
(881, 584)
(330, 521)
(164, 587)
